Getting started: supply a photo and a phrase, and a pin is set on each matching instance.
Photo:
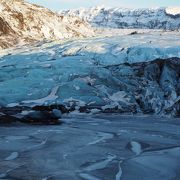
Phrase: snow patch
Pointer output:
(173, 10)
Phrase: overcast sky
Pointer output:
(73, 4)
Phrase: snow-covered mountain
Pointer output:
(157, 18)
(21, 21)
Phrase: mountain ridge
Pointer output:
(152, 18)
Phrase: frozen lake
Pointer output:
(104, 146)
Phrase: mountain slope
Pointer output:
(159, 18)
(21, 21)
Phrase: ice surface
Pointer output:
(131, 73)
(12, 156)
(63, 152)
(51, 97)
(119, 174)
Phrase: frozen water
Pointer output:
(12, 156)
(66, 151)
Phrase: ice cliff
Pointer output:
(129, 73)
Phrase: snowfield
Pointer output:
(122, 73)
(173, 10)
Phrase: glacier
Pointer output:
(112, 95)
(132, 73)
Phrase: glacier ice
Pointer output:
(126, 73)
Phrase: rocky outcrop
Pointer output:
(37, 116)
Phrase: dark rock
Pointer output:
(41, 117)
(133, 33)
(7, 119)
(60, 107)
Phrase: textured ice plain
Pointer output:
(128, 73)
(93, 148)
